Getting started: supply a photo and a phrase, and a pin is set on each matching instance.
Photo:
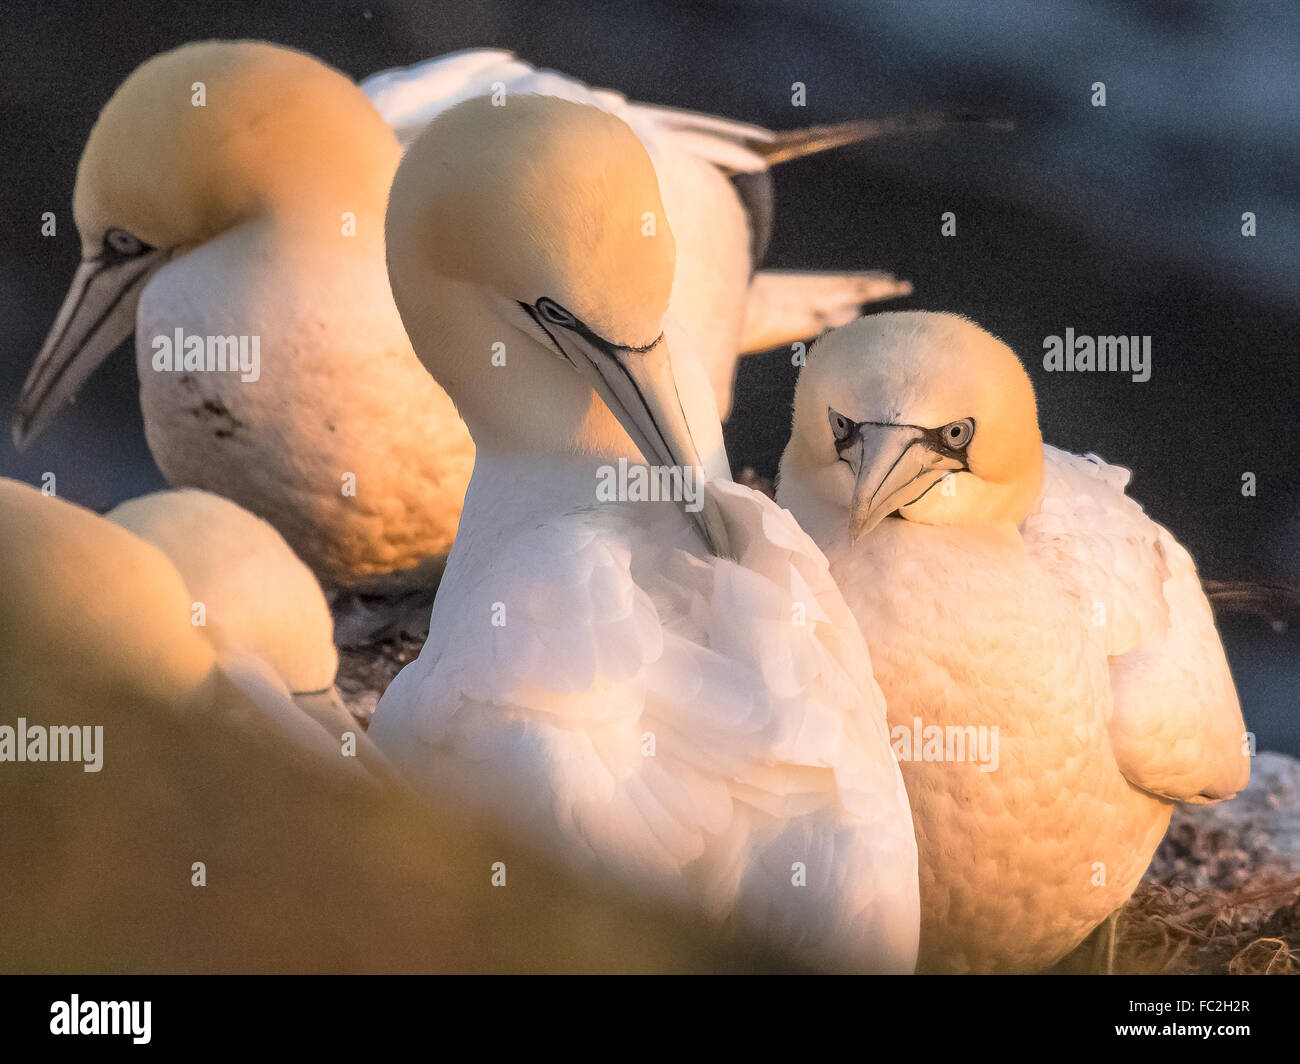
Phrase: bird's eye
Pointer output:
(555, 314)
(121, 243)
(957, 434)
(841, 426)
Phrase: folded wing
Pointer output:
(708, 728)
(1176, 724)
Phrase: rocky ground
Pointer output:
(1222, 894)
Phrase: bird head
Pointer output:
(193, 143)
(258, 598)
(538, 226)
(915, 415)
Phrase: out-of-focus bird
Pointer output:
(671, 693)
(230, 204)
(1013, 596)
(223, 829)
(253, 595)
(227, 615)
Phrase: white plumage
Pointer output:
(621, 699)
(1176, 726)
(698, 727)
(411, 97)
(1043, 608)
(260, 219)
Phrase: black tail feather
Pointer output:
(796, 143)
(1279, 604)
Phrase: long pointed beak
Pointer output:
(98, 313)
(894, 467)
(638, 386)
(326, 708)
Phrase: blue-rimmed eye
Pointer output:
(555, 314)
(841, 426)
(120, 242)
(957, 434)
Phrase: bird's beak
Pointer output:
(894, 466)
(327, 709)
(638, 386)
(98, 313)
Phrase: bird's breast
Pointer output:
(290, 387)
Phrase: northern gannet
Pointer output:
(221, 829)
(231, 196)
(182, 598)
(257, 597)
(255, 210)
(602, 678)
(1024, 598)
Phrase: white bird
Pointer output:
(221, 828)
(597, 678)
(184, 599)
(1021, 593)
(231, 197)
(254, 597)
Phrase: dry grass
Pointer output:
(1222, 895)
(1252, 929)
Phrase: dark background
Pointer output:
(1117, 220)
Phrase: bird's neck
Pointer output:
(510, 487)
(511, 492)
(519, 398)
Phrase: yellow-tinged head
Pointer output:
(532, 262)
(200, 138)
(193, 143)
(920, 415)
(538, 198)
(258, 598)
(90, 615)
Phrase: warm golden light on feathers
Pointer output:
(258, 596)
(125, 635)
(928, 369)
(539, 197)
(276, 131)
